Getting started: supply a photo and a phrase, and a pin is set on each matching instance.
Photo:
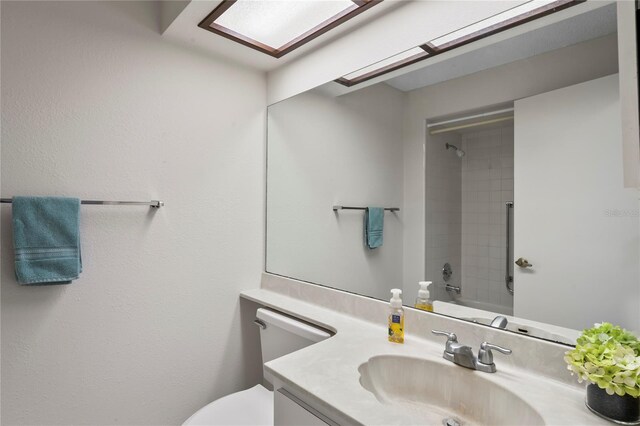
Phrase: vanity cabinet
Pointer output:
(291, 411)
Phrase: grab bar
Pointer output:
(508, 278)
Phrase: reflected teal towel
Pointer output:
(373, 226)
(46, 239)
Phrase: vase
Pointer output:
(619, 409)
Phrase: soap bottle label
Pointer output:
(396, 328)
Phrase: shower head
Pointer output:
(460, 153)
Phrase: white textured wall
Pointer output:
(96, 105)
(325, 151)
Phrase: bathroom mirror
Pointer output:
(498, 161)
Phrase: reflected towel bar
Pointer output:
(390, 209)
(153, 203)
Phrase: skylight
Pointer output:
(389, 64)
(277, 27)
(495, 22)
(513, 17)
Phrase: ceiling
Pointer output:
(181, 19)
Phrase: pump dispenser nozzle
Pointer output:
(423, 293)
(396, 301)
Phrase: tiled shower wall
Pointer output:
(443, 212)
(487, 184)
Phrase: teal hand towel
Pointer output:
(373, 226)
(46, 239)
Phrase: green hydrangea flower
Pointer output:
(608, 356)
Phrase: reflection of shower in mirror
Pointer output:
(460, 153)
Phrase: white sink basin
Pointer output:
(434, 391)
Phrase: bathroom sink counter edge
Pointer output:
(327, 375)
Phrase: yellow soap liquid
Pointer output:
(396, 326)
(425, 306)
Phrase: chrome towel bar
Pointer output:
(336, 208)
(156, 204)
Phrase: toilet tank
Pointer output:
(282, 335)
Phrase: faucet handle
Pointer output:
(485, 356)
(451, 339)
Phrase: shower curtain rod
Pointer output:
(469, 117)
(465, 126)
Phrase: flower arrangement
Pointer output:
(609, 357)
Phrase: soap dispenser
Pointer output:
(396, 317)
(424, 301)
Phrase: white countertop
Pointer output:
(326, 374)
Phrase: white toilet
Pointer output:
(279, 335)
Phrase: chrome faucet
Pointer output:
(456, 289)
(463, 355)
(499, 322)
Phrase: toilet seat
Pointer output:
(251, 407)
